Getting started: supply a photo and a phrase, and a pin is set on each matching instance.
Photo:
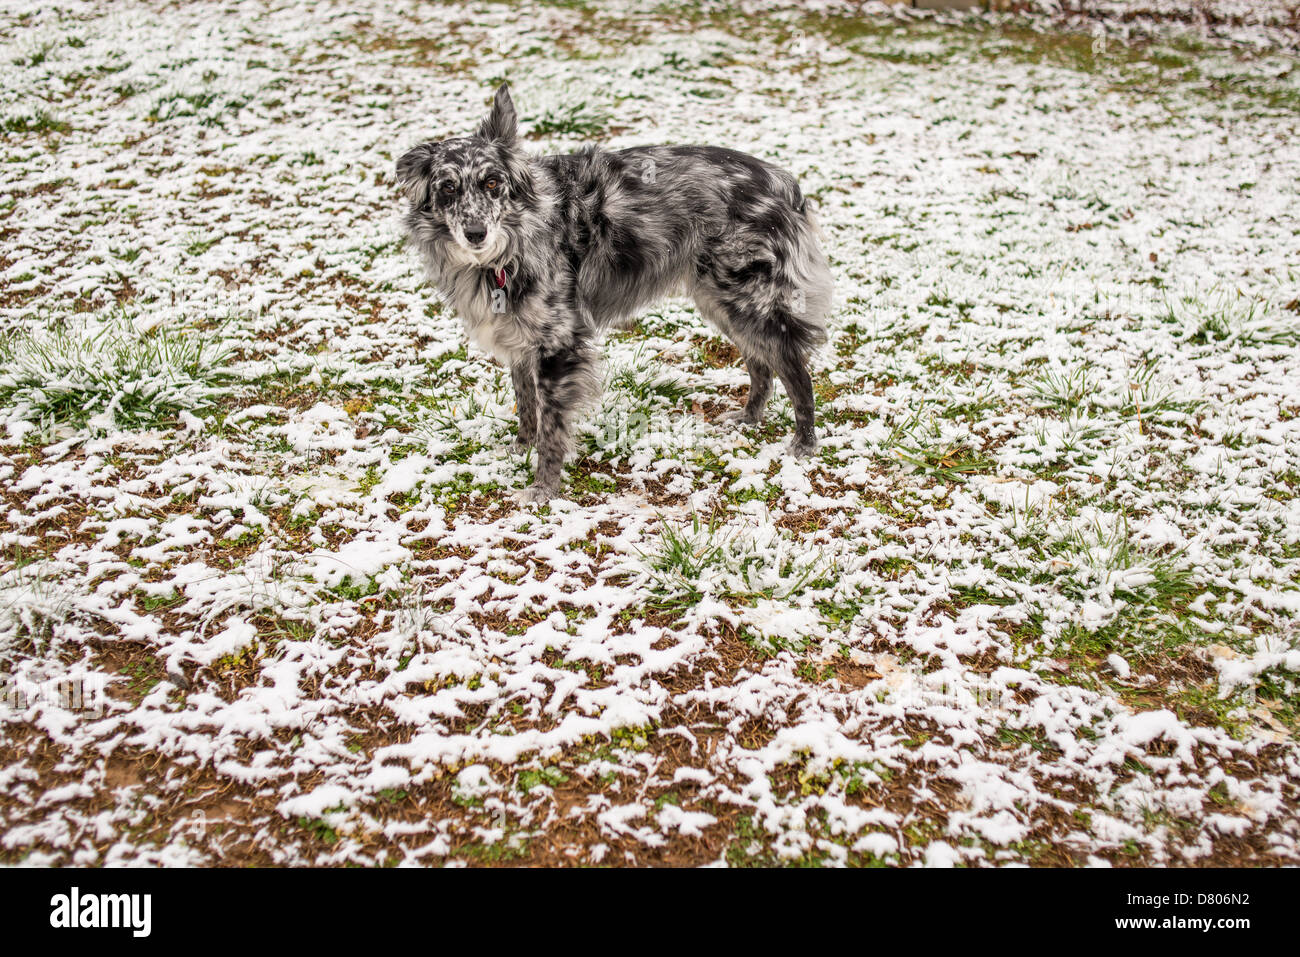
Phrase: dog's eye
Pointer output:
(448, 189)
(491, 183)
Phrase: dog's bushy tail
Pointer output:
(808, 275)
(809, 272)
(814, 220)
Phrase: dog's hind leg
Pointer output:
(525, 384)
(567, 381)
(792, 368)
(719, 313)
(760, 390)
(776, 338)
(769, 292)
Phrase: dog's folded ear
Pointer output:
(501, 124)
(412, 173)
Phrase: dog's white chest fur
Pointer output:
(489, 323)
(489, 327)
(494, 336)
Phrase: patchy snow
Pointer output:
(1035, 598)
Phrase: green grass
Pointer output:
(1221, 317)
(548, 776)
(735, 565)
(948, 461)
(155, 602)
(751, 845)
(71, 373)
(511, 848)
(349, 590)
(143, 674)
(38, 122)
(320, 830)
(1063, 390)
(577, 120)
(645, 382)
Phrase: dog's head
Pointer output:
(469, 188)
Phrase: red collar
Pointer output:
(500, 277)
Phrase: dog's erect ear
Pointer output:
(501, 124)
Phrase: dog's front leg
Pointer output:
(567, 381)
(525, 382)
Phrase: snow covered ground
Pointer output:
(264, 594)
(1255, 23)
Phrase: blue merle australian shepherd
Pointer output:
(541, 254)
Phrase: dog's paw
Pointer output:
(741, 418)
(535, 495)
(522, 443)
(802, 446)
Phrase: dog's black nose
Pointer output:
(475, 234)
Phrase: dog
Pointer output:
(540, 255)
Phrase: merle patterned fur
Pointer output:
(539, 255)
